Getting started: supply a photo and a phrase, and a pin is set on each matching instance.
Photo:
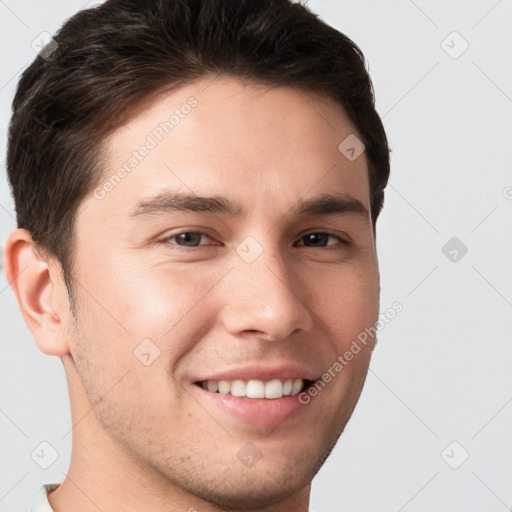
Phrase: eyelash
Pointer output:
(342, 241)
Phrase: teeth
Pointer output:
(224, 387)
(238, 388)
(296, 387)
(212, 386)
(276, 388)
(255, 389)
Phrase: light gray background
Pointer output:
(441, 370)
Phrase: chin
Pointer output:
(236, 487)
(243, 491)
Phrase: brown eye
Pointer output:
(320, 239)
(187, 239)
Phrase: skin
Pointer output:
(142, 440)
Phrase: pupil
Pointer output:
(188, 238)
(317, 237)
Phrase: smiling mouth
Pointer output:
(254, 388)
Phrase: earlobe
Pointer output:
(38, 288)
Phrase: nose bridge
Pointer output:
(262, 296)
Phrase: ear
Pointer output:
(40, 291)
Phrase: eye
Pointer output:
(314, 240)
(320, 239)
(187, 238)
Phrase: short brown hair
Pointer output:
(111, 58)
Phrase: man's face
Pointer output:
(170, 298)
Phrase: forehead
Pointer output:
(263, 145)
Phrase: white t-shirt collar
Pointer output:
(41, 503)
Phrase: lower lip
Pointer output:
(256, 411)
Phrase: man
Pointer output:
(197, 184)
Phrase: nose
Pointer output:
(265, 300)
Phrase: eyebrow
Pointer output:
(168, 202)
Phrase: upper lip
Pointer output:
(261, 372)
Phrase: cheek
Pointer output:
(347, 302)
(161, 302)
